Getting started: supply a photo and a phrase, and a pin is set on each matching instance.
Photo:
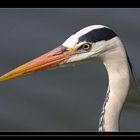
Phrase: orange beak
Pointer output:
(52, 59)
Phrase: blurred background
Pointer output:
(68, 99)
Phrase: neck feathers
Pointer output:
(117, 66)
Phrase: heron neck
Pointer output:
(117, 66)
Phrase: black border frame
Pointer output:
(69, 4)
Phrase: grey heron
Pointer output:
(93, 43)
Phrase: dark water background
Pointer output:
(68, 99)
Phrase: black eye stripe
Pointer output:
(97, 35)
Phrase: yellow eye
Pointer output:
(86, 46)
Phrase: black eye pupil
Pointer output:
(86, 46)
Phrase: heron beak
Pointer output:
(52, 59)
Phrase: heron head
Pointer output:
(90, 43)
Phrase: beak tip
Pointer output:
(2, 79)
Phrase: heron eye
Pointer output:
(86, 46)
